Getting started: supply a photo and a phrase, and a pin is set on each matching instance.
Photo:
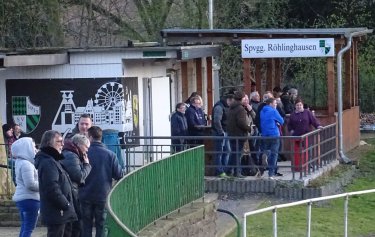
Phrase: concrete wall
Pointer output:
(193, 220)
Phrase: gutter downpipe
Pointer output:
(349, 38)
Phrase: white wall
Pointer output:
(146, 69)
(90, 65)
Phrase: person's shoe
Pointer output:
(259, 174)
(272, 178)
(240, 176)
(283, 157)
(264, 160)
(223, 175)
(279, 174)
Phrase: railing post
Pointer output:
(346, 216)
(319, 150)
(309, 219)
(244, 226)
(274, 222)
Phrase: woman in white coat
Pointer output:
(27, 189)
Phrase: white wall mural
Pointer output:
(57, 104)
(111, 108)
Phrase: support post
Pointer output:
(184, 80)
(209, 85)
(246, 75)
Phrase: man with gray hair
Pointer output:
(254, 100)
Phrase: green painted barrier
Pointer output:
(155, 190)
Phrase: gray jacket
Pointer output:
(26, 174)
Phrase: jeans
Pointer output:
(222, 147)
(89, 211)
(236, 146)
(271, 148)
(28, 210)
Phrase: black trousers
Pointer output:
(63, 230)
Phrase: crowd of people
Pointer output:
(236, 119)
(67, 180)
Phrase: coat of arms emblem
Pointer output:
(25, 113)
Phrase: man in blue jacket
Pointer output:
(270, 120)
(93, 194)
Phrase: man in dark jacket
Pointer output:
(93, 194)
(238, 126)
(56, 201)
(84, 123)
(179, 127)
(76, 163)
(196, 120)
(219, 128)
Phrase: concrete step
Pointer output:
(286, 186)
(246, 185)
(9, 216)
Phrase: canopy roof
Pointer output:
(171, 36)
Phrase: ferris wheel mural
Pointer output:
(109, 95)
(111, 108)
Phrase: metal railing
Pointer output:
(314, 150)
(307, 153)
(155, 190)
(309, 203)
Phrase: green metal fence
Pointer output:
(155, 190)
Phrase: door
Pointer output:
(157, 110)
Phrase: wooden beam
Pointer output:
(258, 75)
(210, 98)
(269, 73)
(331, 97)
(246, 75)
(198, 70)
(278, 72)
(184, 80)
(347, 93)
(355, 74)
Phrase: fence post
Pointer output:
(346, 215)
(309, 219)
(274, 222)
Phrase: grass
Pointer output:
(327, 217)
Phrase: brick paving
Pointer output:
(14, 232)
